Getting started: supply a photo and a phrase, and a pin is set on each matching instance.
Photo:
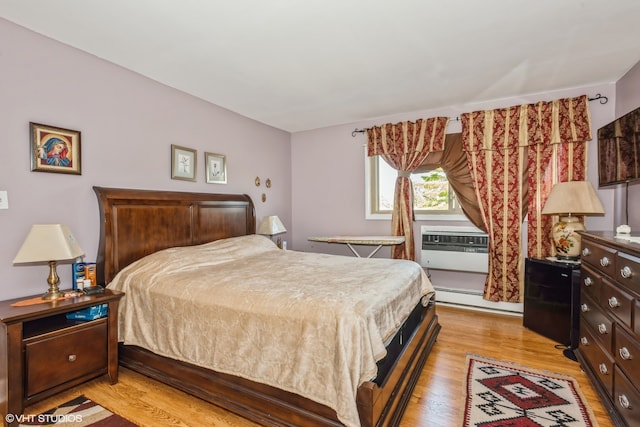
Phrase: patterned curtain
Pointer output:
(496, 160)
(404, 146)
(558, 136)
(515, 155)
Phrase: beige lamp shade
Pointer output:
(271, 225)
(573, 198)
(568, 199)
(49, 243)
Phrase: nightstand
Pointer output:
(42, 352)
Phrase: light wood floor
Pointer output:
(436, 400)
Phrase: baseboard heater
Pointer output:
(456, 248)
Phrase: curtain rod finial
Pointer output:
(356, 130)
(603, 99)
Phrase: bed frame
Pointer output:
(135, 223)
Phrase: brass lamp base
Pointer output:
(54, 292)
(566, 240)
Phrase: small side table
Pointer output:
(44, 353)
(377, 241)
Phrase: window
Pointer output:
(433, 197)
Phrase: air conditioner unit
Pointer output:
(455, 248)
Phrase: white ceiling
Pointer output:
(305, 64)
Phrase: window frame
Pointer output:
(371, 191)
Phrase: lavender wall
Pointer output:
(328, 179)
(128, 124)
(628, 99)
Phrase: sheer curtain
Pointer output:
(404, 146)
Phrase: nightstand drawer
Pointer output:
(57, 358)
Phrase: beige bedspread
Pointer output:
(312, 324)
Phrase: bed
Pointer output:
(142, 231)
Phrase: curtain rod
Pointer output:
(599, 97)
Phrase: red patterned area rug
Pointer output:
(79, 412)
(500, 394)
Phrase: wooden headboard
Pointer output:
(136, 223)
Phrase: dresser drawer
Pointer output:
(54, 359)
(628, 271)
(626, 399)
(593, 315)
(627, 355)
(617, 302)
(601, 257)
(600, 361)
(590, 281)
(636, 319)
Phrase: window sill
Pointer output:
(420, 217)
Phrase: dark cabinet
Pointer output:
(552, 300)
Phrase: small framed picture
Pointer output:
(216, 168)
(54, 149)
(183, 163)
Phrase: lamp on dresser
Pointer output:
(271, 226)
(49, 243)
(568, 199)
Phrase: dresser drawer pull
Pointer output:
(604, 261)
(624, 402)
(602, 328)
(603, 369)
(72, 358)
(586, 252)
(613, 302)
(588, 282)
(626, 272)
(584, 308)
(625, 353)
(584, 341)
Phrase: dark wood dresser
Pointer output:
(609, 344)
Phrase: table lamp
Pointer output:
(566, 200)
(270, 226)
(49, 243)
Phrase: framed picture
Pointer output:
(183, 163)
(216, 168)
(54, 149)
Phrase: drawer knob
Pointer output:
(602, 328)
(72, 358)
(588, 282)
(625, 272)
(584, 308)
(613, 302)
(586, 252)
(584, 341)
(624, 401)
(625, 353)
(604, 261)
(603, 369)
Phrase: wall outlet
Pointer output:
(4, 200)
